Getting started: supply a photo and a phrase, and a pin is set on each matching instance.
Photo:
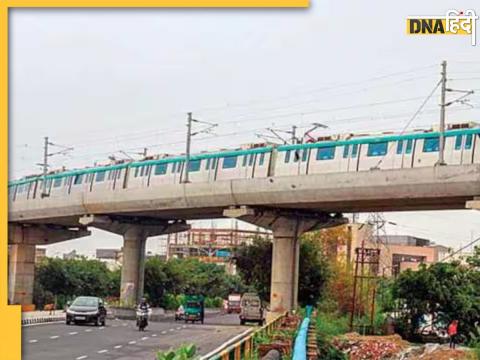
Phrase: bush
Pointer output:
(184, 352)
(332, 324)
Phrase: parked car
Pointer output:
(87, 309)
(251, 309)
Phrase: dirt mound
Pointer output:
(370, 347)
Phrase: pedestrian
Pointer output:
(452, 333)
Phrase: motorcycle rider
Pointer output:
(144, 308)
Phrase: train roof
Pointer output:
(355, 139)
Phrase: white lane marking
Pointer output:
(118, 347)
(81, 357)
(102, 351)
(154, 335)
(33, 341)
(144, 338)
(184, 326)
(172, 329)
(179, 328)
(124, 324)
(73, 333)
(164, 332)
(88, 330)
(101, 328)
(54, 337)
(132, 342)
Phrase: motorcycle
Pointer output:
(142, 318)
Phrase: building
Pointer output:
(397, 252)
(111, 257)
(40, 254)
(211, 245)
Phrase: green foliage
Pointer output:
(62, 280)
(166, 282)
(332, 324)
(327, 351)
(447, 290)
(184, 352)
(254, 263)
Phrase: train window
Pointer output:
(252, 158)
(346, 149)
(377, 149)
(214, 163)
(160, 169)
(57, 182)
(244, 162)
(78, 179)
(174, 167)
(229, 162)
(194, 165)
(431, 144)
(262, 159)
(207, 166)
(409, 148)
(326, 153)
(468, 142)
(354, 150)
(458, 142)
(136, 172)
(179, 167)
(142, 170)
(399, 147)
(305, 155)
(287, 156)
(100, 176)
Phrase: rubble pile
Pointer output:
(359, 347)
(436, 352)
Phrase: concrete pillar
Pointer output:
(21, 271)
(135, 231)
(131, 288)
(22, 239)
(287, 227)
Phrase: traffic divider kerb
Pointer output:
(43, 319)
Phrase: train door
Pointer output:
(468, 146)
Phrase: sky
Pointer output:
(113, 82)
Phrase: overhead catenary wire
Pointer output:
(419, 110)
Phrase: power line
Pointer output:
(461, 249)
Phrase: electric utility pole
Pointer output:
(189, 140)
(443, 107)
(190, 134)
(441, 144)
(45, 165)
(294, 132)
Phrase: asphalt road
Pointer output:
(121, 340)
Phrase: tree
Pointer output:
(254, 265)
(65, 279)
(447, 291)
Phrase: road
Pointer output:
(121, 340)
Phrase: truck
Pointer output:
(194, 308)
(233, 303)
(251, 309)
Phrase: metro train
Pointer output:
(342, 153)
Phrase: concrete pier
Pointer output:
(135, 232)
(287, 227)
(22, 240)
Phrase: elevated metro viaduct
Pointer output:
(287, 205)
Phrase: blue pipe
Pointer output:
(300, 346)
